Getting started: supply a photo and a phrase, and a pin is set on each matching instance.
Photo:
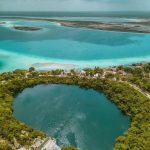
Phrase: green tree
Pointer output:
(31, 69)
(69, 148)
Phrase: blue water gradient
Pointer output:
(66, 45)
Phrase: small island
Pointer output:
(2, 22)
(27, 28)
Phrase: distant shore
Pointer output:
(140, 26)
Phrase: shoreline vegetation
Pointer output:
(142, 26)
(114, 82)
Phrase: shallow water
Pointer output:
(83, 118)
(64, 45)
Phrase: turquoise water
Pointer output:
(63, 45)
(83, 118)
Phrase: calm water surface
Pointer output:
(83, 118)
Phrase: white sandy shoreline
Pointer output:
(26, 61)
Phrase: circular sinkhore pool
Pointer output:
(74, 116)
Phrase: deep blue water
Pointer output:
(126, 14)
(74, 116)
(65, 45)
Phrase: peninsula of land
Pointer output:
(139, 27)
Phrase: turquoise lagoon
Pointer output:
(55, 44)
(80, 117)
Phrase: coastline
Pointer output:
(48, 144)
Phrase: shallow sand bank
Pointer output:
(52, 65)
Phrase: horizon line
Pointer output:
(85, 11)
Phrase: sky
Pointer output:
(74, 5)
